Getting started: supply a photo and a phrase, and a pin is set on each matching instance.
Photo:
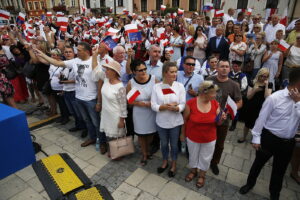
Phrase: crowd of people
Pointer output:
(183, 84)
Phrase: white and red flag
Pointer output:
(180, 11)
(189, 39)
(165, 42)
(132, 95)
(249, 11)
(166, 89)
(284, 19)
(283, 45)
(62, 21)
(49, 14)
(131, 28)
(219, 13)
(111, 31)
(107, 24)
(163, 7)
(269, 13)
(78, 19)
(170, 50)
(125, 11)
(231, 107)
(60, 14)
(4, 14)
(21, 16)
(63, 29)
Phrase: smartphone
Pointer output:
(190, 87)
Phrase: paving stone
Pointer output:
(26, 174)
(146, 196)
(74, 147)
(228, 148)
(124, 187)
(66, 139)
(222, 175)
(233, 162)
(247, 166)
(236, 177)
(87, 153)
(90, 170)
(99, 160)
(53, 149)
(241, 152)
(172, 191)
(36, 184)
(81, 163)
(11, 187)
(44, 142)
(152, 184)
(53, 135)
(288, 194)
(194, 195)
(136, 178)
(291, 184)
(262, 188)
(45, 195)
(28, 194)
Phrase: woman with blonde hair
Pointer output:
(201, 116)
(256, 95)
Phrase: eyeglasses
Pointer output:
(263, 76)
(190, 64)
(141, 70)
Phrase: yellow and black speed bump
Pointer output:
(60, 175)
(97, 192)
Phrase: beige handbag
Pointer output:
(121, 146)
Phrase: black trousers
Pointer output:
(281, 150)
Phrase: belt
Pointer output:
(266, 131)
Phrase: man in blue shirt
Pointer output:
(188, 78)
(154, 65)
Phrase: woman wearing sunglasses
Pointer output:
(237, 48)
(143, 115)
(200, 130)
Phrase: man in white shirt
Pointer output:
(103, 57)
(228, 16)
(273, 134)
(180, 61)
(213, 27)
(85, 91)
(272, 28)
(255, 20)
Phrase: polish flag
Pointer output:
(231, 107)
(107, 24)
(62, 21)
(269, 13)
(95, 39)
(165, 42)
(101, 21)
(63, 28)
(283, 45)
(4, 14)
(91, 26)
(284, 18)
(161, 33)
(180, 11)
(49, 14)
(78, 19)
(30, 31)
(76, 28)
(132, 95)
(131, 28)
(30, 21)
(125, 11)
(219, 13)
(170, 50)
(111, 32)
(241, 10)
(173, 15)
(116, 38)
(249, 11)
(189, 39)
(207, 7)
(83, 8)
(60, 14)
(110, 10)
(166, 89)
(163, 7)
(21, 16)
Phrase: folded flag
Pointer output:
(219, 13)
(62, 21)
(109, 42)
(165, 42)
(180, 11)
(63, 29)
(101, 21)
(111, 31)
(249, 11)
(4, 14)
(107, 24)
(163, 7)
(132, 95)
(170, 50)
(166, 89)
(189, 39)
(283, 45)
(231, 107)
(21, 16)
(207, 7)
(49, 14)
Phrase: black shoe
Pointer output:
(241, 141)
(215, 169)
(154, 149)
(161, 170)
(245, 189)
(74, 129)
(84, 133)
(65, 121)
(59, 120)
(232, 128)
(171, 174)
(274, 197)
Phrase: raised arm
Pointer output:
(50, 60)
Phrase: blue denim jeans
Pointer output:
(169, 136)
(73, 109)
(91, 119)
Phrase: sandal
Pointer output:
(200, 183)
(190, 176)
(143, 162)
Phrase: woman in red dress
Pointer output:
(201, 116)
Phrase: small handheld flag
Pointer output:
(109, 42)
(166, 89)
(231, 107)
(132, 95)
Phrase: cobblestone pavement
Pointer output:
(127, 179)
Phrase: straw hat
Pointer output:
(114, 65)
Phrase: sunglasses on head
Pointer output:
(190, 64)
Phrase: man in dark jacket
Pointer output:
(218, 43)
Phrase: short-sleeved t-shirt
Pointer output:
(85, 87)
(201, 127)
(226, 88)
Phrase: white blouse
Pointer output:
(166, 118)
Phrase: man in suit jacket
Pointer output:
(218, 44)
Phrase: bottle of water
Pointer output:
(183, 146)
(97, 144)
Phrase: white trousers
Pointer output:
(200, 154)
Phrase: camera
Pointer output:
(62, 78)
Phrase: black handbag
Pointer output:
(10, 71)
(29, 70)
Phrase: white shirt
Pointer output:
(226, 18)
(211, 32)
(280, 115)
(70, 75)
(155, 70)
(85, 87)
(7, 52)
(166, 118)
(105, 60)
(54, 73)
(271, 31)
